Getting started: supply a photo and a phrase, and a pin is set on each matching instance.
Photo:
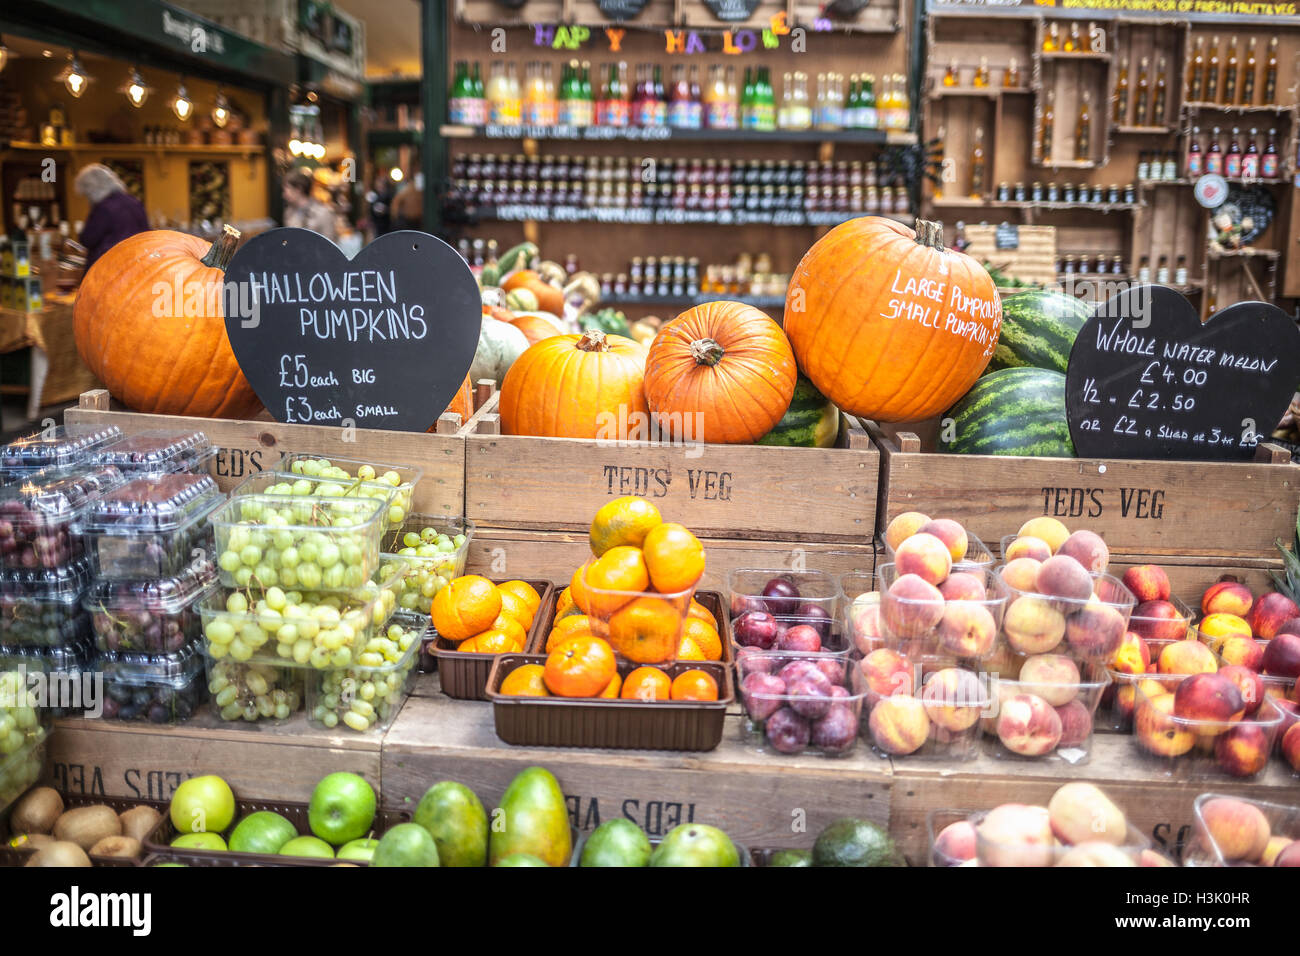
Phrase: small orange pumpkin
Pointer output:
(536, 328)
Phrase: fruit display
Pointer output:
(923, 707)
(49, 828)
(158, 451)
(63, 448)
(965, 549)
(152, 526)
(160, 688)
(958, 619)
(155, 616)
(40, 516)
(1047, 713)
(1239, 831)
(1137, 659)
(796, 611)
(367, 696)
(253, 691)
(620, 842)
(435, 549)
(474, 616)
(1038, 330)
(42, 606)
(1242, 627)
(796, 704)
(401, 479)
(282, 483)
(1013, 411)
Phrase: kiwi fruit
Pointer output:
(86, 826)
(123, 846)
(30, 841)
(59, 853)
(139, 821)
(36, 811)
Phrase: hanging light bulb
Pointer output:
(73, 76)
(220, 110)
(135, 89)
(295, 146)
(182, 105)
(395, 174)
(4, 53)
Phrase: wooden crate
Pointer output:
(1217, 510)
(740, 492)
(247, 447)
(1189, 578)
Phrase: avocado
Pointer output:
(617, 842)
(853, 842)
(791, 858)
(455, 818)
(407, 844)
(520, 859)
(532, 818)
(695, 844)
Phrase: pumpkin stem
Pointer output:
(706, 352)
(929, 234)
(593, 340)
(222, 249)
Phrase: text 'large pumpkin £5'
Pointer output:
(889, 324)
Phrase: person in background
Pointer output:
(302, 210)
(379, 200)
(408, 204)
(114, 213)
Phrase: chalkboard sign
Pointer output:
(621, 9)
(1147, 380)
(732, 11)
(1007, 236)
(379, 341)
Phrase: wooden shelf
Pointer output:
(661, 134)
(987, 92)
(1248, 252)
(757, 301)
(1225, 108)
(962, 202)
(1275, 181)
(1069, 163)
(124, 149)
(1144, 130)
(1062, 55)
(1104, 207)
(524, 212)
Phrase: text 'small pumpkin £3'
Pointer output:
(889, 324)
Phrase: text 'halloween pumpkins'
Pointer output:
(889, 324)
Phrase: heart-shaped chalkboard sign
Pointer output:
(732, 11)
(1147, 379)
(382, 340)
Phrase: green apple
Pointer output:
(362, 849)
(199, 841)
(202, 803)
(262, 832)
(307, 846)
(342, 808)
(407, 844)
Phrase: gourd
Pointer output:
(499, 345)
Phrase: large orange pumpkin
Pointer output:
(721, 372)
(889, 324)
(577, 386)
(149, 322)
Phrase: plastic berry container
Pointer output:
(41, 517)
(938, 716)
(21, 768)
(67, 671)
(950, 852)
(977, 556)
(860, 612)
(253, 691)
(60, 448)
(960, 619)
(401, 478)
(152, 526)
(264, 541)
(159, 688)
(299, 486)
(42, 606)
(1048, 715)
(151, 616)
(1000, 841)
(158, 451)
(367, 696)
(1089, 628)
(1134, 663)
(437, 554)
(1233, 830)
(766, 603)
(796, 703)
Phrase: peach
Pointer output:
(1275, 845)
(1243, 750)
(1248, 682)
(1291, 746)
(1088, 549)
(950, 532)
(1157, 731)
(1028, 725)
(963, 586)
(1063, 577)
(903, 527)
(1132, 656)
(1054, 677)
(1187, 657)
(1026, 546)
(1148, 582)
(1032, 625)
(967, 630)
(1215, 628)
(1016, 835)
(953, 699)
(899, 725)
(1081, 813)
(1095, 630)
(1241, 651)
(955, 843)
(1095, 854)
(1289, 856)
(911, 606)
(1003, 663)
(886, 673)
(1227, 597)
(1282, 656)
(1154, 858)
(1047, 529)
(1269, 613)
(1125, 701)
(1209, 697)
(925, 556)
(1022, 573)
(1158, 621)
(1239, 829)
(864, 621)
(1076, 724)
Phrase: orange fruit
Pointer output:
(525, 681)
(646, 631)
(465, 607)
(688, 650)
(674, 558)
(578, 589)
(572, 626)
(647, 683)
(614, 687)
(623, 521)
(497, 642)
(509, 626)
(467, 646)
(525, 592)
(703, 613)
(512, 605)
(704, 636)
(563, 603)
(694, 685)
(580, 667)
(620, 569)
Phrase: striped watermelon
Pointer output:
(1038, 330)
(811, 421)
(1013, 411)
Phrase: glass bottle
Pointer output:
(1195, 160)
(783, 108)
(800, 108)
(981, 79)
(458, 110)
(1083, 129)
(1214, 155)
(565, 104)
(1120, 111)
(1143, 100)
(1011, 76)
(747, 114)
(1232, 161)
(480, 111)
(1250, 159)
(1161, 95)
(1247, 86)
(696, 113)
(869, 113)
(1052, 39)
(1144, 269)
(1196, 75)
(941, 135)
(1270, 74)
(1072, 42)
(720, 105)
(1170, 171)
(1212, 73)
(1230, 75)
(660, 98)
(977, 165)
(1049, 124)
(1162, 271)
(950, 74)
(767, 101)
(1180, 271)
(679, 102)
(851, 107)
(1268, 162)
(1144, 167)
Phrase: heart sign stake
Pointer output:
(382, 340)
(1147, 379)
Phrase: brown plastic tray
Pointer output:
(610, 722)
(12, 856)
(464, 675)
(712, 601)
(157, 843)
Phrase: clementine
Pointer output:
(525, 592)
(703, 613)
(525, 681)
(465, 607)
(694, 685)
(581, 667)
(578, 588)
(563, 603)
(512, 605)
(620, 569)
(614, 687)
(647, 683)
(509, 626)
(646, 631)
(623, 521)
(566, 628)
(674, 558)
(497, 642)
(704, 636)
(688, 650)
